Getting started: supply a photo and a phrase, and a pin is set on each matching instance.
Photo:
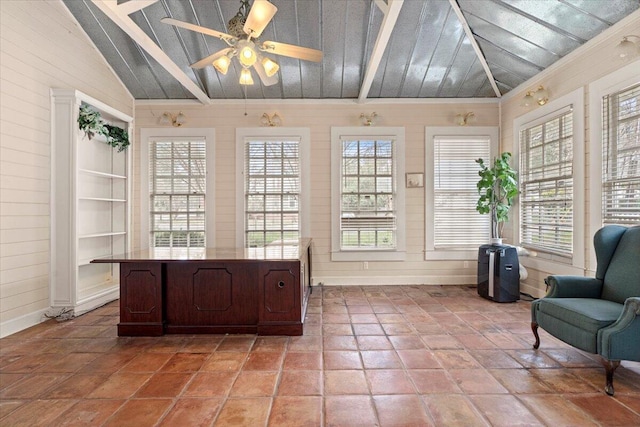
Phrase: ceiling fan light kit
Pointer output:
(222, 64)
(246, 53)
(245, 28)
(245, 77)
(260, 15)
(270, 67)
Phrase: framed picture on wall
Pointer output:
(415, 180)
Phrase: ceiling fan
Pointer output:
(245, 28)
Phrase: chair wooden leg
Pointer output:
(610, 367)
(534, 328)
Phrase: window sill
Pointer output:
(451, 254)
(551, 266)
(373, 255)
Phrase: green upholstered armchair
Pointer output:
(599, 315)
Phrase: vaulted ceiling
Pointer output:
(372, 48)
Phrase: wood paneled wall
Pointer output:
(42, 48)
(319, 117)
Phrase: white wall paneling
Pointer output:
(42, 48)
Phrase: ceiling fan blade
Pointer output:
(259, 17)
(209, 59)
(292, 51)
(266, 80)
(198, 29)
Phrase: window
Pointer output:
(612, 138)
(546, 184)
(274, 181)
(454, 229)
(549, 144)
(177, 189)
(368, 198)
(272, 191)
(621, 157)
(177, 202)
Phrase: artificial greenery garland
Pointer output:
(91, 123)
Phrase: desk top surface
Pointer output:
(280, 251)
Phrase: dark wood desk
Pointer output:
(212, 291)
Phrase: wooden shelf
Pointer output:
(101, 174)
(107, 234)
(102, 199)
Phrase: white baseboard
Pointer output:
(394, 280)
(96, 301)
(18, 324)
(532, 290)
(23, 322)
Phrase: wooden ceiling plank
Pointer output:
(121, 18)
(476, 47)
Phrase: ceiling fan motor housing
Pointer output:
(236, 25)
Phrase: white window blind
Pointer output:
(272, 191)
(177, 188)
(621, 157)
(457, 224)
(367, 211)
(546, 184)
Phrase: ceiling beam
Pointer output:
(476, 47)
(388, 22)
(382, 6)
(119, 14)
(134, 5)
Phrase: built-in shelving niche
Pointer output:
(90, 205)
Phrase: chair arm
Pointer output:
(573, 287)
(621, 340)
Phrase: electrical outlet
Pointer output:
(365, 265)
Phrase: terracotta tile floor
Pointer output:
(370, 356)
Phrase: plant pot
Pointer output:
(495, 241)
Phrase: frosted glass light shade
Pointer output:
(527, 101)
(626, 49)
(259, 16)
(246, 53)
(222, 64)
(270, 67)
(245, 77)
(542, 96)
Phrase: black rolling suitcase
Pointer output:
(498, 273)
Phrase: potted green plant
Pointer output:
(498, 186)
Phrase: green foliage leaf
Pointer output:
(497, 187)
(91, 123)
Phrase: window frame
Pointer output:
(148, 135)
(543, 261)
(555, 115)
(271, 133)
(398, 135)
(431, 132)
(607, 85)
